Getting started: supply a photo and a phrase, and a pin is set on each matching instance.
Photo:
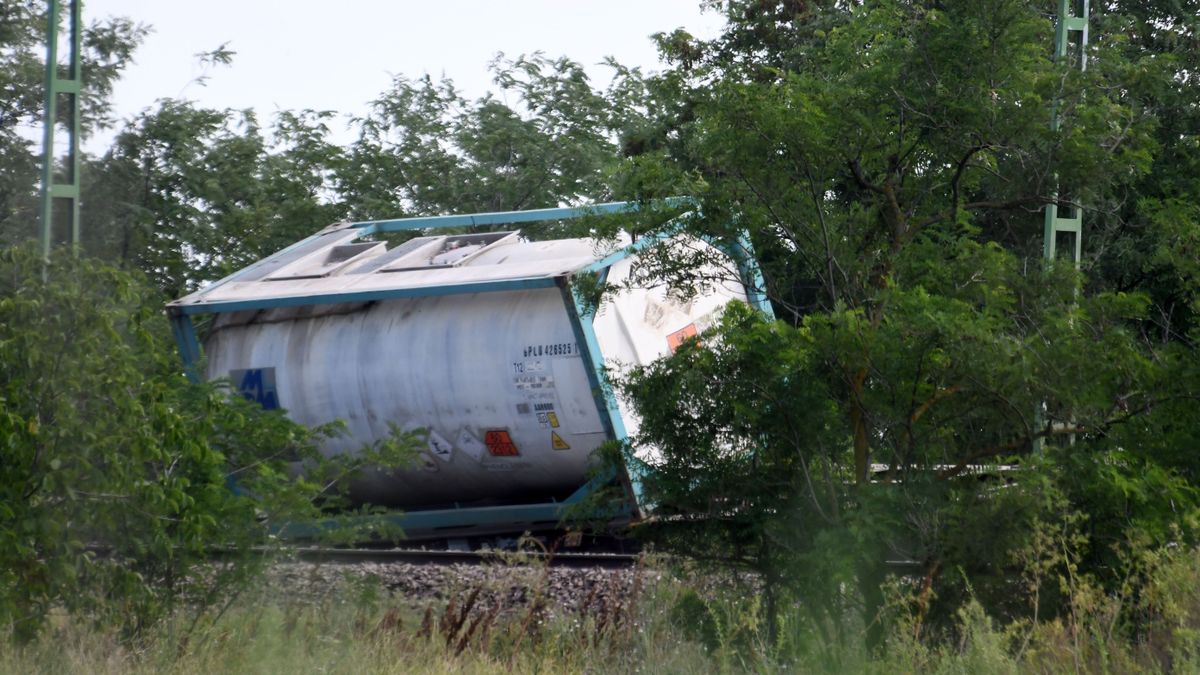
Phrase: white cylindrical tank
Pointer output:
(459, 366)
(473, 339)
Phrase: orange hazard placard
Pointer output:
(499, 443)
(674, 340)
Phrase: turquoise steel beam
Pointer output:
(742, 253)
(506, 217)
(582, 319)
(584, 330)
(221, 306)
(645, 242)
(430, 521)
(189, 345)
(70, 85)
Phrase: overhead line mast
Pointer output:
(1070, 43)
(67, 83)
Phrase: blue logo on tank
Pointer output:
(257, 384)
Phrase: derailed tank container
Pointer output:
(477, 339)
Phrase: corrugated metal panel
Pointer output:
(272, 264)
(392, 255)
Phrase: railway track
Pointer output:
(350, 556)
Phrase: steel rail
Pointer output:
(350, 556)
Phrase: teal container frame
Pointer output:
(580, 314)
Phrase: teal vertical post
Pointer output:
(749, 272)
(57, 83)
(189, 344)
(581, 317)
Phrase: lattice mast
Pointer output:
(1070, 45)
(63, 90)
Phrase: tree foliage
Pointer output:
(189, 194)
(424, 148)
(890, 161)
(120, 477)
(108, 47)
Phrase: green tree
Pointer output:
(115, 489)
(1146, 238)
(108, 47)
(890, 160)
(425, 149)
(189, 194)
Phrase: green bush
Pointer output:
(114, 484)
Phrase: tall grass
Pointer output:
(640, 624)
(476, 630)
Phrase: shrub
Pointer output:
(114, 484)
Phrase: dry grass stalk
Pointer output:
(390, 623)
(482, 618)
(454, 617)
(426, 629)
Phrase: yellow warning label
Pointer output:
(552, 417)
(558, 442)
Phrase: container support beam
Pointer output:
(189, 346)
(742, 254)
(429, 522)
(506, 217)
(581, 317)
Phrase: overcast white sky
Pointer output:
(340, 55)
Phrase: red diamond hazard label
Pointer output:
(499, 443)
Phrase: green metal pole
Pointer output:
(57, 84)
(50, 114)
(1069, 25)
